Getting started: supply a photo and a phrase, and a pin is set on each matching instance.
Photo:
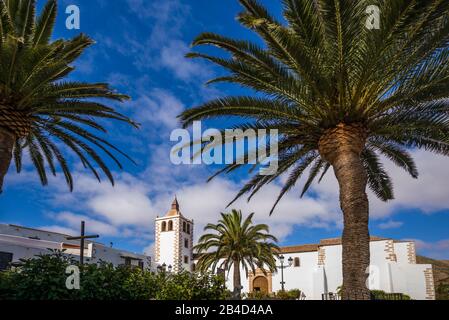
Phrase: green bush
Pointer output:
(44, 278)
(280, 295)
(288, 295)
(188, 286)
(382, 295)
(258, 295)
(442, 292)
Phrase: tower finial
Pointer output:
(175, 204)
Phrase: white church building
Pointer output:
(17, 242)
(315, 269)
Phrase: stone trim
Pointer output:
(321, 256)
(157, 255)
(430, 284)
(389, 250)
(177, 263)
(411, 252)
(259, 273)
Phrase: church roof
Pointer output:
(174, 211)
(300, 248)
(337, 241)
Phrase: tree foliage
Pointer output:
(44, 278)
(320, 67)
(235, 240)
(45, 111)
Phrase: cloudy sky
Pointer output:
(140, 48)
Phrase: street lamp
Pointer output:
(163, 268)
(282, 267)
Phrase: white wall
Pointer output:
(96, 252)
(410, 279)
(167, 245)
(401, 250)
(313, 280)
(301, 277)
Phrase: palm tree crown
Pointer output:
(325, 69)
(40, 111)
(341, 95)
(235, 242)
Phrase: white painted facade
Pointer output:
(316, 269)
(393, 269)
(25, 243)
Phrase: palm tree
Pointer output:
(341, 95)
(235, 242)
(40, 111)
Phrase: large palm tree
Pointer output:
(236, 242)
(342, 95)
(40, 111)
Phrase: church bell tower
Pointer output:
(174, 240)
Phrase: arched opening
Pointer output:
(188, 228)
(184, 226)
(260, 284)
(164, 226)
(170, 225)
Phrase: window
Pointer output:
(297, 263)
(127, 261)
(193, 267)
(141, 265)
(164, 226)
(5, 260)
(170, 225)
(186, 243)
(188, 228)
(186, 259)
(184, 226)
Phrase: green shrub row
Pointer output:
(44, 278)
(294, 294)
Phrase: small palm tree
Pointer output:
(341, 95)
(235, 242)
(40, 111)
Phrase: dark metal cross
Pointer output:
(82, 238)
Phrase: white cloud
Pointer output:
(158, 108)
(149, 250)
(437, 250)
(172, 56)
(72, 221)
(391, 224)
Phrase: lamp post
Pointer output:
(163, 268)
(282, 267)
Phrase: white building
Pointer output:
(316, 268)
(174, 240)
(18, 242)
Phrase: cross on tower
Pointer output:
(82, 238)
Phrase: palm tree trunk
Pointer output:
(237, 280)
(6, 145)
(342, 147)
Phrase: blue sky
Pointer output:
(140, 47)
